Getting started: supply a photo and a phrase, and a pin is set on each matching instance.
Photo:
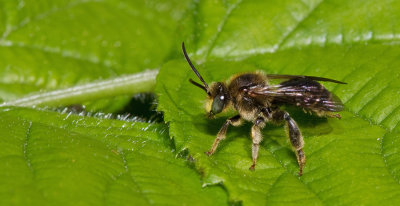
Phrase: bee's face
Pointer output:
(220, 98)
(218, 92)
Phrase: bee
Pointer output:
(259, 102)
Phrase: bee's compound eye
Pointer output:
(218, 104)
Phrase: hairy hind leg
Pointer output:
(234, 121)
(296, 139)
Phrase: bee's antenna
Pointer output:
(198, 85)
(195, 70)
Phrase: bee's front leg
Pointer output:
(234, 121)
(256, 137)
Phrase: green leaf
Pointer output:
(51, 158)
(237, 28)
(354, 160)
(47, 45)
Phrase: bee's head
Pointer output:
(220, 98)
(218, 92)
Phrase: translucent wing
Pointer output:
(286, 76)
(302, 92)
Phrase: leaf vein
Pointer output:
(306, 185)
(396, 179)
(221, 26)
(141, 191)
(25, 148)
(294, 29)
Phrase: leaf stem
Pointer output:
(125, 85)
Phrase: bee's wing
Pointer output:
(302, 92)
(286, 76)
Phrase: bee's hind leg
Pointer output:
(296, 139)
(234, 121)
(256, 137)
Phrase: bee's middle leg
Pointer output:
(234, 121)
(256, 137)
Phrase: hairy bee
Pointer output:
(259, 102)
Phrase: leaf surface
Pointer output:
(238, 28)
(50, 158)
